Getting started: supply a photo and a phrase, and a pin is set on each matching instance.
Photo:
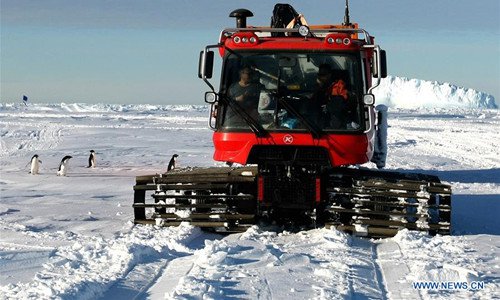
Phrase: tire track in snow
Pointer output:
(364, 276)
(379, 273)
(394, 269)
(168, 278)
(321, 264)
(137, 280)
(267, 288)
(19, 138)
(141, 281)
(91, 265)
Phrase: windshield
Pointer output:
(292, 91)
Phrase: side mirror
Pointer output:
(383, 64)
(210, 97)
(206, 64)
(368, 99)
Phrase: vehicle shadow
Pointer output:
(475, 214)
(465, 176)
(472, 213)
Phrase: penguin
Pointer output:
(172, 162)
(63, 166)
(91, 159)
(35, 165)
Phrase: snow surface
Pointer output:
(72, 237)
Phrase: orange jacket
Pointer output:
(338, 88)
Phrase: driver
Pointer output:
(246, 91)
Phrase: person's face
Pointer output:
(324, 77)
(245, 76)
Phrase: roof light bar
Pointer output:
(245, 38)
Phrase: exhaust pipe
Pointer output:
(241, 16)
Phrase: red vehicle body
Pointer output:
(342, 149)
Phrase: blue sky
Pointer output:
(124, 51)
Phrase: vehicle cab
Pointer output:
(302, 91)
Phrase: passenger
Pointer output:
(323, 83)
(330, 99)
(336, 107)
(343, 106)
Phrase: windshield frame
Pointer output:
(358, 86)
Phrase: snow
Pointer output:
(72, 237)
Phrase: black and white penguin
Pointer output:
(172, 162)
(35, 165)
(91, 159)
(63, 166)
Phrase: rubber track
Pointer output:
(360, 201)
(379, 203)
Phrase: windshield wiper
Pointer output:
(254, 125)
(315, 131)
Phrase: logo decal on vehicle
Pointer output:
(288, 139)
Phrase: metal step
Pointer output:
(205, 216)
(365, 212)
(204, 197)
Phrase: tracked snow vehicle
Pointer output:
(299, 154)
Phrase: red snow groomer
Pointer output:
(295, 108)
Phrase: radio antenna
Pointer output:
(347, 22)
